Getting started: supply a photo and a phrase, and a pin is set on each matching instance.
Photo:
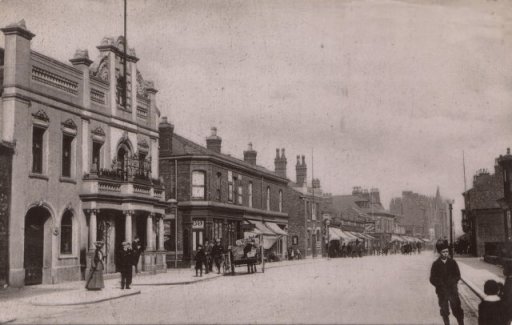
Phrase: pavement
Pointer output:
(74, 293)
(474, 274)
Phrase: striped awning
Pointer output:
(276, 229)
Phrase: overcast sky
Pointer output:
(387, 94)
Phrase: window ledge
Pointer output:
(67, 257)
(67, 180)
(39, 176)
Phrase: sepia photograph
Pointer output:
(256, 162)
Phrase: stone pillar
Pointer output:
(149, 233)
(160, 233)
(81, 61)
(128, 226)
(93, 228)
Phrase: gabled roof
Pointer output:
(342, 203)
(184, 146)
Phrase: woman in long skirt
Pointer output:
(95, 281)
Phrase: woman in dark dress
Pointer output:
(200, 259)
(95, 281)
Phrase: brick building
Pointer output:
(305, 223)
(217, 195)
(85, 160)
(482, 216)
(361, 214)
(421, 215)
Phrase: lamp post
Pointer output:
(327, 222)
(450, 203)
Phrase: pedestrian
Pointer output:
(95, 281)
(444, 276)
(208, 252)
(200, 259)
(506, 294)
(137, 250)
(124, 264)
(217, 254)
(490, 310)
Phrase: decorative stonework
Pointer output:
(143, 146)
(142, 112)
(141, 85)
(41, 115)
(101, 70)
(81, 54)
(69, 123)
(98, 97)
(20, 24)
(124, 137)
(99, 131)
(51, 79)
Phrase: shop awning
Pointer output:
(333, 234)
(370, 237)
(275, 228)
(397, 238)
(346, 236)
(265, 231)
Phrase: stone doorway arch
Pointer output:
(38, 244)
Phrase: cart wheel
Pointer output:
(225, 267)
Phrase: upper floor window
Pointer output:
(234, 190)
(313, 210)
(66, 233)
(67, 142)
(219, 179)
(96, 155)
(250, 194)
(240, 193)
(268, 198)
(280, 201)
(198, 185)
(37, 149)
(230, 186)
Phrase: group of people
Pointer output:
(495, 309)
(126, 257)
(205, 257)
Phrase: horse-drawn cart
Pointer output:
(244, 252)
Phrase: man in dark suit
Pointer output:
(217, 252)
(445, 275)
(124, 265)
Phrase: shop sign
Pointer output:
(198, 224)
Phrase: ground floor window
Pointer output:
(233, 232)
(66, 235)
(216, 231)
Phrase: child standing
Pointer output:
(200, 259)
(490, 310)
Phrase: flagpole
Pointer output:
(125, 57)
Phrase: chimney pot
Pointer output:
(282, 153)
(249, 146)
(214, 131)
(277, 153)
(508, 151)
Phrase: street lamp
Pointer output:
(450, 203)
(327, 222)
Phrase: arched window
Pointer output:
(198, 185)
(66, 233)
(268, 198)
(280, 201)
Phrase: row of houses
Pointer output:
(86, 155)
(486, 217)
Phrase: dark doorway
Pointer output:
(140, 231)
(34, 245)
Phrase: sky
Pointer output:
(383, 94)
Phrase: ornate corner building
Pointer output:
(79, 157)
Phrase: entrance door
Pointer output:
(34, 245)
(197, 239)
(313, 244)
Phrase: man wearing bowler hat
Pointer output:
(445, 275)
(124, 264)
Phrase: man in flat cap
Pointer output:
(124, 264)
(445, 275)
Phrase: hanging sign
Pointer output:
(198, 224)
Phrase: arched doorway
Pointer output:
(37, 233)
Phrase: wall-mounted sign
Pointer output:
(295, 240)
(198, 224)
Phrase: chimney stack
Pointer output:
(301, 171)
(375, 195)
(214, 142)
(166, 131)
(250, 155)
(280, 163)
